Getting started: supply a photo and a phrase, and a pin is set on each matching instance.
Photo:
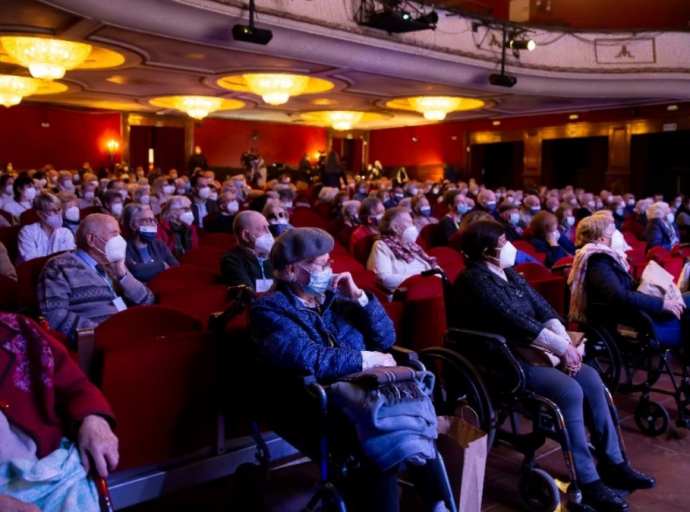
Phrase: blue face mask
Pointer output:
(514, 218)
(147, 233)
(425, 211)
(619, 212)
(491, 206)
(188, 186)
(318, 282)
(277, 229)
(462, 209)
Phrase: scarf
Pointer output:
(183, 239)
(671, 232)
(34, 363)
(408, 251)
(576, 279)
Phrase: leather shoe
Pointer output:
(622, 476)
(602, 499)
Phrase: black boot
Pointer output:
(622, 476)
(601, 498)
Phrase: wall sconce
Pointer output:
(112, 146)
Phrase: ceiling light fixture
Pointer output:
(14, 88)
(343, 119)
(47, 59)
(197, 107)
(435, 108)
(276, 89)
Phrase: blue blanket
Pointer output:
(56, 483)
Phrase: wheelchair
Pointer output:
(478, 368)
(296, 407)
(647, 352)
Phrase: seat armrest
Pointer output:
(86, 341)
(402, 355)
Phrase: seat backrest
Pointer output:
(224, 241)
(422, 288)
(183, 277)
(553, 289)
(674, 266)
(28, 274)
(345, 263)
(323, 210)
(343, 237)
(629, 236)
(680, 251)
(200, 302)
(362, 249)
(8, 293)
(658, 254)
(9, 237)
(85, 212)
(207, 257)
(446, 257)
(525, 247)
(29, 216)
(306, 218)
(531, 271)
(432, 234)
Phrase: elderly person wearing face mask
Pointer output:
(6, 189)
(395, 256)
(223, 219)
(176, 228)
(510, 219)
(371, 212)
(86, 287)
(546, 238)
(146, 255)
(162, 189)
(141, 194)
(202, 204)
(24, 193)
(661, 230)
(46, 236)
(64, 182)
(248, 263)
(70, 212)
(350, 213)
(87, 195)
(278, 218)
(566, 221)
(112, 203)
(530, 207)
(421, 212)
(457, 208)
(491, 296)
(486, 202)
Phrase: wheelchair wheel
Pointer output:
(538, 491)
(651, 417)
(602, 354)
(458, 382)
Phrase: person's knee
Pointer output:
(570, 398)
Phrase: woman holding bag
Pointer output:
(492, 296)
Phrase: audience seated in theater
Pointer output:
(6, 267)
(629, 201)
(618, 242)
(420, 209)
(617, 209)
(287, 197)
(120, 187)
(661, 230)
(362, 191)
(552, 202)
(324, 324)
(146, 255)
(683, 213)
(113, 203)
(350, 213)
(509, 217)
(161, 191)
(278, 218)
(24, 192)
(338, 201)
(566, 221)
(248, 263)
(588, 206)
(64, 182)
(222, 220)
(141, 194)
(486, 202)
(370, 214)
(385, 196)
(395, 255)
(6, 189)
(46, 236)
(85, 287)
(87, 195)
(491, 296)
(530, 207)
(55, 422)
(176, 228)
(476, 216)
(70, 211)
(546, 238)
(458, 206)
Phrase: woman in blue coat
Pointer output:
(661, 229)
(546, 238)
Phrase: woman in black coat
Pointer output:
(491, 296)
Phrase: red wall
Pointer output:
(395, 146)
(223, 141)
(72, 137)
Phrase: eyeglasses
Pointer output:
(147, 222)
(279, 215)
(317, 266)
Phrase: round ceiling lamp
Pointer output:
(14, 88)
(47, 59)
(435, 108)
(275, 88)
(343, 119)
(197, 107)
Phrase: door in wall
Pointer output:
(660, 164)
(167, 144)
(580, 162)
(499, 164)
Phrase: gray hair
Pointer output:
(174, 203)
(657, 210)
(131, 214)
(350, 209)
(91, 224)
(44, 200)
(643, 205)
(391, 215)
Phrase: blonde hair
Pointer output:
(592, 228)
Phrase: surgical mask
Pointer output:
(514, 218)
(264, 243)
(399, 195)
(144, 199)
(288, 204)
(609, 199)
(425, 211)
(232, 207)
(187, 186)
(115, 248)
(116, 209)
(591, 204)
(507, 257)
(181, 191)
(631, 202)
(670, 217)
(9, 190)
(570, 221)
(54, 221)
(147, 233)
(88, 196)
(491, 205)
(676, 205)
(40, 183)
(30, 194)
(204, 192)
(600, 206)
(410, 234)
(278, 229)
(461, 209)
(213, 196)
(319, 282)
(76, 178)
(573, 202)
(187, 218)
(67, 185)
(435, 191)
(72, 214)
(124, 194)
(168, 189)
(413, 191)
(618, 243)
(535, 210)
(378, 218)
(619, 212)
(275, 222)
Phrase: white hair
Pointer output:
(657, 210)
(643, 205)
(174, 203)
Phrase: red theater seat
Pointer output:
(29, 216)
(207, 257)
(425, 315)
(345, 263)
(224, 241)
(362, 249)
(432, 235)
(445, 257)
(680, 251)
(200, 302)
(531, 271)
(28, 274)
(343, 237)
(307, 218)
(9, 238)
(553, 290)
(8, 293)
(658, 254)
(184, 277)
(85, 212)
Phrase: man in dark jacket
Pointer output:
(201, 204)
(222, 220)
(248, 263)
(509, 215)
(197, 160)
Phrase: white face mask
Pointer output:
(232, 207)
(507, 256)
(144, 199)
(115, 249)
(54, 221)
(116, 209)
(570, 221)
(88, 196)
(123, 193)
(204, 192)
(213, 196)
(40, 183)
(181, 191)
(288, 204)
(263, 244)
(168, 189)
(631, 202)
(67, 185)
(591, 204)
(187, 218)
(618, 243)
(410, 234)
(8, 190)
(671, 218)
(30, 193)
(72, 214)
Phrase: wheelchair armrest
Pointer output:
(86, 342)
(406, 357)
